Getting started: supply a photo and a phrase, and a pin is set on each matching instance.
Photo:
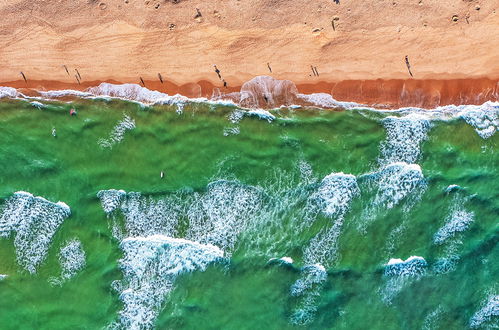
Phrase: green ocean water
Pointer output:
(265, 183)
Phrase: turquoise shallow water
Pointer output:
(338, 192)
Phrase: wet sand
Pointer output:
(378, 93)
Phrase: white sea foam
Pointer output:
(487, 313)
(485, 119)
(118, 132)
(111, 199)
(335, 193)
(231, 131)
(396, 182)
(431, 320)
(458, 221)
(134, 92)
(144, 216)
(150, 266)
(34, 220)
(308, 288)
(220, 214)
(64, 93)
(262, 114)
(333, 198)
(236, 116)
(404, 138)
(8, 92)
(324, 100)
(72, 260)
(284, 260)
(3, 277)
(38, 105)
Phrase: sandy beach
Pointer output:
(357, 49)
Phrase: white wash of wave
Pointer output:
(396, 182)
(324, 100)
(72, 260)
(236, 116)
(459, 220)
(281, 261)
(134, 92)
(308, 288)
(8, 92)
(118, 132)
(64, 93)
(483, 118)
(38, 105)
(399, 273)
(447, 262)
(488, 313)
(150, 266)
(144, 216)
(261, 114)
(145, 96)
(412, 266)
(334, 194)
(323, 248)
(431, 320)
(34, 221)
(3, 277)
(485, 122)
(223, 212)
(404, 138)
(231, 131)
(332, 198)
(111, 199)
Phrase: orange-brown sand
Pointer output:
(452, 46)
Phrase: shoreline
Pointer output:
(383, 94)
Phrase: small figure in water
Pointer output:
(408, 65)
(162, 175)
(54, 133)
(72, 112)
(217, 72)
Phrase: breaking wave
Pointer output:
(398, 273)
(34, 221)
(144, 216)
(332, 198)
(458, 220)
(150, 266)
(308, 287)
(404, 138)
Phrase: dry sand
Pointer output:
(360, 59)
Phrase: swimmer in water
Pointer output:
(54, 133)
(162, 174)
